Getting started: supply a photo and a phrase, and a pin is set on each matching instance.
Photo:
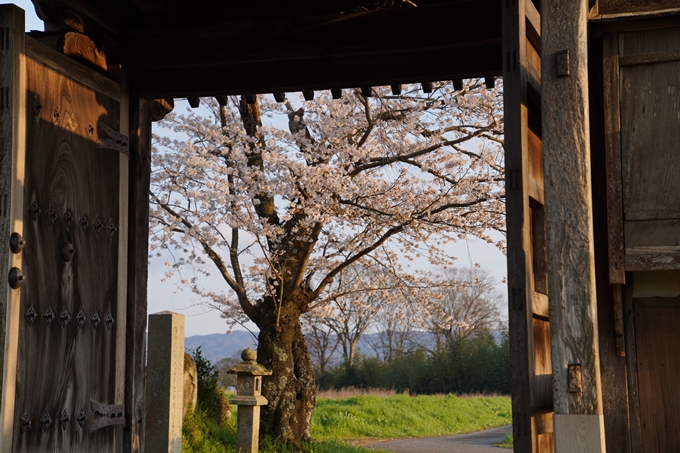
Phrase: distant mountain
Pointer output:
(220, 345)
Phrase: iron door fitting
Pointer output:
(111, 414)
(15, 278)
(16, 243)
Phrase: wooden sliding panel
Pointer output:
(649, 63)
(527, 271)
(578, 421)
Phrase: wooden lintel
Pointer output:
(396, 89)
(427, 87)
(321, 73)
(279, 97)
(336, 93)
(194, 102)
(308, 95)
(457, 84)
(366, 92)
(221, 100)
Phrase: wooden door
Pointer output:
(70, 324)
(657, 336)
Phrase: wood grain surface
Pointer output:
(71, 193)
(12, 161)
(658, 367)
(568, 208)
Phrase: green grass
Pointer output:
(507, 442)
(200, 434)
(404, 416)
(362, 417)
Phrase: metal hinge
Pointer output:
(115, 140)
(111, 414)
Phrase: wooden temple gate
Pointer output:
(592, 119)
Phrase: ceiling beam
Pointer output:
(435, 42)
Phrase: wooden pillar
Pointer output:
(531, 371)
(12, 161)
(138, 271)
(578, 420)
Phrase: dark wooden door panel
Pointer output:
(658, 365)
(67, 335)
(651, 151)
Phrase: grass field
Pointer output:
(404, 416)
(339, 421)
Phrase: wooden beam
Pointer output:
(490, 82)
(322, 72)
(366, 92)
(336, 93)
(308, 95)
(569, 225)
(320, 52)
(427, 87)
(250, 98)
(279, 97)
(457, 84)
(221, 100)
(194, 102)
(396, 89)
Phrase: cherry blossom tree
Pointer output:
(386, 180)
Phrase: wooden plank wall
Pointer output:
(527, 269)
(12, 158)
(657, 339)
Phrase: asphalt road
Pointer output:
(479, 442)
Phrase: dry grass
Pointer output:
(348, 392)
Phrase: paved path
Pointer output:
(479, 442)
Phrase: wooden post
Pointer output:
(529, 321)
(578, 421)
(12, 158)
(138, 269)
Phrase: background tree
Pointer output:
(281, 214)
(223, 366)
(469, 304)
(321, 341)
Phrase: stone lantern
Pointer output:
(249, 399)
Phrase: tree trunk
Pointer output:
(291, 390)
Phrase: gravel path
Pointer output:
(479, 442)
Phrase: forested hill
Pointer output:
(217, 346)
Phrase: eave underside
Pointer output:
(243, 53)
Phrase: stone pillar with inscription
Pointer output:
(249, 399)
(165, 383)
